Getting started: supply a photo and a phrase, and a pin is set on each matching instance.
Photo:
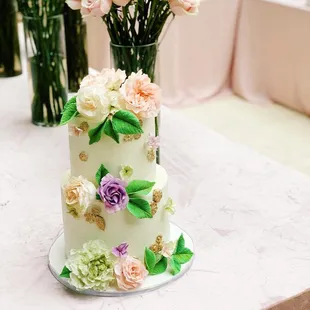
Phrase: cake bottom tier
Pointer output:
(121, 226)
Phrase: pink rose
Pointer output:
(142, 97)
(96, 8)
(121, 2)
(74, 4)
(130, 273)
(184, 7)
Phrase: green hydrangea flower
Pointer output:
(91, 267)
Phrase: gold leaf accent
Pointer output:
(83, 156)
(84, 126)
(150, 154)
(93, 216)
(128, 138)
(158, 245)
(159, 239)
(137, 136)
(157, 195)
(141, 122)
(72, 211)
(154, 207)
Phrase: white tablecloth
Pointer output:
(249, 218)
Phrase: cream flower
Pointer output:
(93, 103)
(113, 79)
(184, 7)
(96, 8)
(79, 193)
(142, 97)
(126, 172)
(75, 131)
(130, 273)
(168, 249)
(170, 206)
(74, 4)
(91, 267)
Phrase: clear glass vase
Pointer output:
(47, 68)
(76, 35)
(10, 64)
(135, 58)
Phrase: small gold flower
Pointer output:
(84, 126)
(150, 154)
(159, 239)
(154, 207)
(128, 138)
(157, 195)
(158, 245)
(154, 248)
(137, 136)
(83, 156)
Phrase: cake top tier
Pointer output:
(112, 121)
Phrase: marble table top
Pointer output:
(249, 218)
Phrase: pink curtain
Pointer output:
(195, 56)
(272, 57)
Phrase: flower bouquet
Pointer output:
(45, 47)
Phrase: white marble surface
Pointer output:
(249, 218)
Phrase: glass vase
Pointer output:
(77, 62)
(10, 64)
(135, 58)
(47, 73)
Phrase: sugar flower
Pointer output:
(153, 142)
(170, 206)
(121, 250)
(141, 96)
(79, 193)
(130, 273)
(168, 249)
(91, 267)
(113, 79)
(126, 172)
(112, 192)
(184, 7)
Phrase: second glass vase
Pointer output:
(46, 54)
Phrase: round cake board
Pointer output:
(57, 261)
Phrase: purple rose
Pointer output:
(112, 192)
(121, 250)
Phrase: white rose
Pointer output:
(92, 103)
(79, 192)
(113, 79)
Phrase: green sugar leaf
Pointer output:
(175, 266)
(69, 111)
(126, 123)
(101, 172)
(109, 130)
(180, 244)
(139, 208)
(96, 133)
(65, 273)
(183, 256)
(149, 259)
(160, 267)
(139, 187)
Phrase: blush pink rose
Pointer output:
(121, 2)
(142, 97)
(184, 7)
(96, 8)
(74, 4)
(130, 273)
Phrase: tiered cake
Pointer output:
(114, 198)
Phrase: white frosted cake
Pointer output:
(115, 201)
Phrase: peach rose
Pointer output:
(96, 8)
(74, 4)
(130, 273)
(184, 7)
(142, 97)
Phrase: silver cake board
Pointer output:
(57, 261)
